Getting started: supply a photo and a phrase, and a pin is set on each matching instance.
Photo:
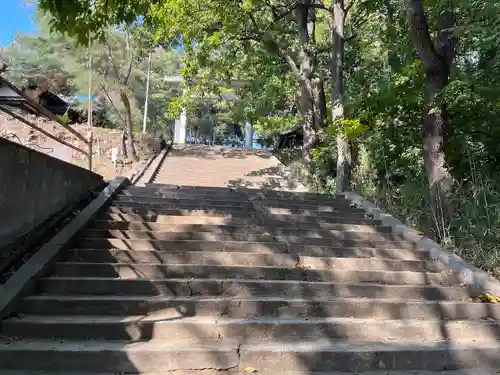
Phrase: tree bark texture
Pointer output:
(437, 58)
(344, 159)
(313, 117)
(129, 125)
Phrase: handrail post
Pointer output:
(90, 143)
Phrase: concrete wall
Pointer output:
(33, 186)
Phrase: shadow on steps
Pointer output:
(146, 292)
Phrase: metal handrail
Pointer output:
(88, 141)
(20, 118)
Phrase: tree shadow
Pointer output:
(270, 178)
(240, 271)
(217, 152)
(202, 166)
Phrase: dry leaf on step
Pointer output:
(250, 370)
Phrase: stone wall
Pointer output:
(34, 186)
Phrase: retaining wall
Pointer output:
(34, 186)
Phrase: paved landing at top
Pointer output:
(202, 165)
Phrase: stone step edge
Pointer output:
(242, 266)
(470, 275)
(236, 197)
(474, 371)
(262, 320)
(339, 346)
(242, 225)
(296, 256)
(249, 281)
(331, 235)
(350, 243)
(145, 216)
(217, 299)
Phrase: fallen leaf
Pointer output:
(303, 266)
(487, 298)
(250, 370)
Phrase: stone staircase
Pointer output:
(212, 279)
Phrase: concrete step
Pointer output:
(244, 288)
(231, 200)
(232, 211)
(298, 220)
(167, 356)
(189, 205)
(247, 259)
(303, 223)
(358, 252)
(258, 306)
(473, 371)
(158, 271)
(117, 357)
(244, 246)
(154, 190)
(256, 248)
(81, 327)
(267, 193)
(244, 227)
(189, 245)
(264, 236)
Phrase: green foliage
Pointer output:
(268, 126)
(56, 62)
(385, 93)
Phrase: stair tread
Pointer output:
(251, 254)
(159, 319)
(373, 260)
(189, 271)
(474, 371)
(394, 244)
(239, 225)
(104, 345)
(119, 264)
(287, 222)
(91, 297)
(113, 223)
(258, 281)
(263, 231)
(194, 345)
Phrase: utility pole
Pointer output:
(89, 115)
(144, 123)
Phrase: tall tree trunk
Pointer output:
(124, 144)
(434, 129)
(319, 103)
(310, 136)
(344, 159)
(305, 75)
(129, 125)
(437, 58)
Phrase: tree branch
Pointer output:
(446, 39)
(353, 36)
(112, 61)
(419, 32)
(348, 8)
(131, 59)
(112, 103)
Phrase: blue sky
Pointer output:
(16, 17)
